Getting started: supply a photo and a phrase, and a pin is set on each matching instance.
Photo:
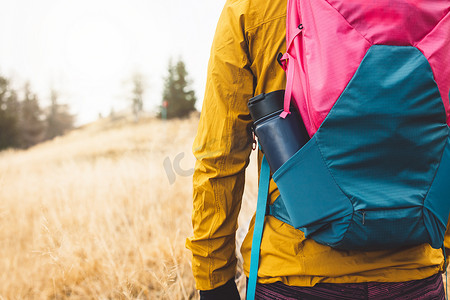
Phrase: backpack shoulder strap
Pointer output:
(293, 45)
(263, 193)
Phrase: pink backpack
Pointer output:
(371, 80)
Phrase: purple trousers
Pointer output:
(428, 288)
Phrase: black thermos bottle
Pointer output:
(279, 138)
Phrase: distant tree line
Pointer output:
(24, 123)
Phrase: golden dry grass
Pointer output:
(92, 215)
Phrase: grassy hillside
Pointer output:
(100, 213)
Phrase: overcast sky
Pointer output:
(88, 49)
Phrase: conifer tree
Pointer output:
(32, 125)
(137, 102)
(9, 114)
(23, 122)
(178, 98)
(59, 119)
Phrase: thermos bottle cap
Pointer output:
(280, 138)
(259, 108)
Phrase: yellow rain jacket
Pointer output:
(249, 35)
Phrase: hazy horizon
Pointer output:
(88, 50)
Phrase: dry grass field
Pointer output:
(101, 214)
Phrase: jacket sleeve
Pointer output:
(222, 148)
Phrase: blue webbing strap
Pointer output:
(263, 191)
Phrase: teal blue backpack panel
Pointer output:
(279, 211)
(373, 176)
(305, 176)
(436, 203)
(383, 139)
